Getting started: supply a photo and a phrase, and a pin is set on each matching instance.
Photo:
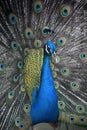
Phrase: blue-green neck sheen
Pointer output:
(45, 108)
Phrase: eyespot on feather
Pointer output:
(61, 41)
(14, 45)
(61, 105)
(65, 71)
(13, 18)
(65, 11)
(28, 33)
(45, 31)
(11, 95)
(2, 67)
(37, 7)
(80, 109)
(37, 43)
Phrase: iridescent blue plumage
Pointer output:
(45, 103)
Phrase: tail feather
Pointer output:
(25, 26)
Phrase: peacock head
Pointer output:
(50, 48)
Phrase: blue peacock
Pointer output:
(43, 63)
(45, 97)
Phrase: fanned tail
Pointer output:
(25, 26)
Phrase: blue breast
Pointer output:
(45, 107)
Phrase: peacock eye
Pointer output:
(37, 6)
(26, 51)
(15, 78)
(65, 71)
(65, 11)
(61, 105)
(74, 85)
(22, 126)
(37, 43)
(20, 64)
(13, 18)
(83, 56)
(56, 84)
(23, 88)
(82, 119)
(17, 121)
(11, 94)
(27, 108)
(28, 33)
(71, 118)
(45, 31)
(61, 41)
(14, 45)
(80, 109)
(2, 67)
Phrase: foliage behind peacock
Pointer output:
(25, 28)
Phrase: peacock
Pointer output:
(43, 63)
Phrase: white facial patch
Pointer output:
(46, 49)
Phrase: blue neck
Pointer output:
(46, 82)
(45, 108)
(46, 60)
